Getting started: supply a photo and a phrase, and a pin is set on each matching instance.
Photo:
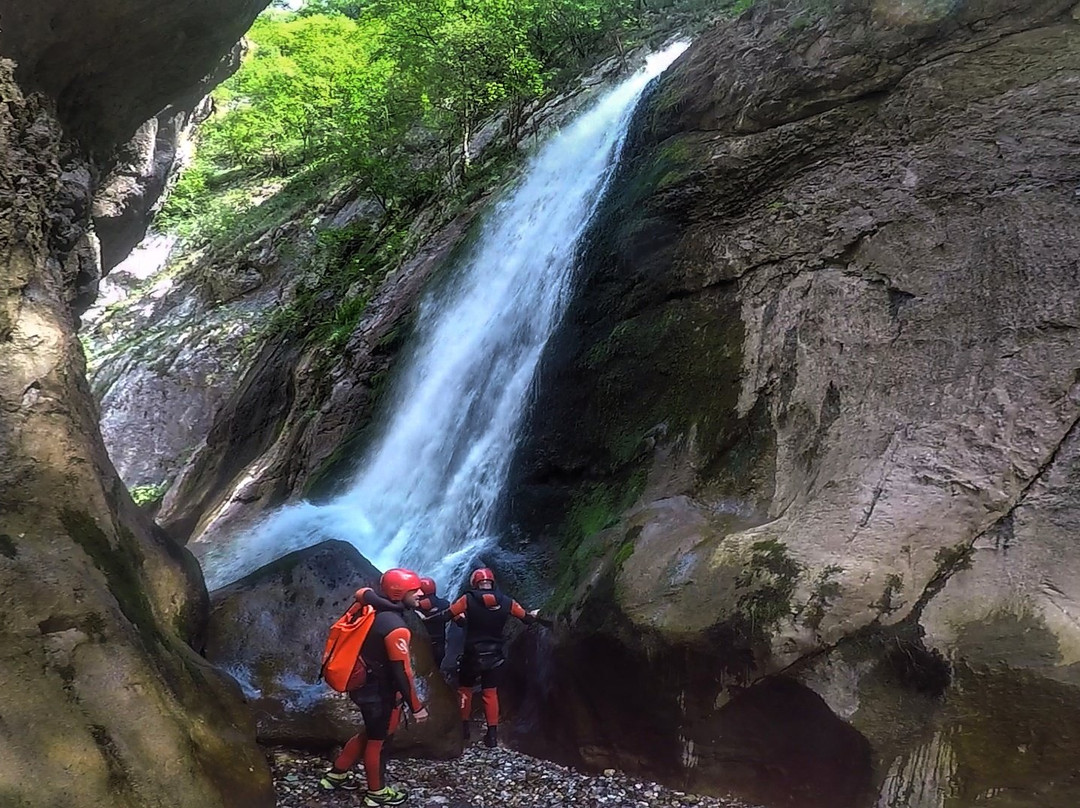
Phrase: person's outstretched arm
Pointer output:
(518, 611)
(455, 612)
(369, 597)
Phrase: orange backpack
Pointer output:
(342, 666)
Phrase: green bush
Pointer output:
(144, 495)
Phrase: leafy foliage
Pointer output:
(768, 583)
(148, 494)
(370, 85)
(384, 96)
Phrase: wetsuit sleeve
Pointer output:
(459, 607)
(518, 611)
(370, 597)
(456, 612)
(436, 613)
(397, 650)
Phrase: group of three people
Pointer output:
(389, 687)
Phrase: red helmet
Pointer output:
(427, 586)
(482, 574)
(397, 583)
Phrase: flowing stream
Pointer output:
(425, 492)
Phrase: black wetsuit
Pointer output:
(388, 681)
(486, 612)
(434, 608)
(388, 684)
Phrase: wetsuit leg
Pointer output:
(354, 747)
(351, 754)
(489, 683)
(377, 719)
(467, 677)
(491, 706)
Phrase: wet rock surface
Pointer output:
(483, 778)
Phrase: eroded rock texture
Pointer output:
(815, 411)
(105, 702)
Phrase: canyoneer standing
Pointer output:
(485, 611)
(388, 688)
(434, 611)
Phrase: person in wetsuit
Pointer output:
(389, 685)
(485, 611)
(434, 610)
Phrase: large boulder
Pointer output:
(815, 410)
(268, 631)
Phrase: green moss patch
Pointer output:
(767, 584)
(588, 534)
(121, 566)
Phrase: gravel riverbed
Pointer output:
(481, 778)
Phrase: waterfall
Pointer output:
(425, 491)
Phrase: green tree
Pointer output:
(467, 57)
(350, 8)
(317, 88)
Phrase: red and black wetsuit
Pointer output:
(389, 683)
(486, 612)
(436, 614)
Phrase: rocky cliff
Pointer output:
(105, 701)
(815, 414)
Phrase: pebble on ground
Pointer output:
(480, 778)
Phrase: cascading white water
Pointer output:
(426, 489)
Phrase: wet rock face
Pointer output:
(821, 385)
(268, 630)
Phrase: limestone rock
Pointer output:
(268, 630)
(104, 701)
(821, 385)
(164, 358)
